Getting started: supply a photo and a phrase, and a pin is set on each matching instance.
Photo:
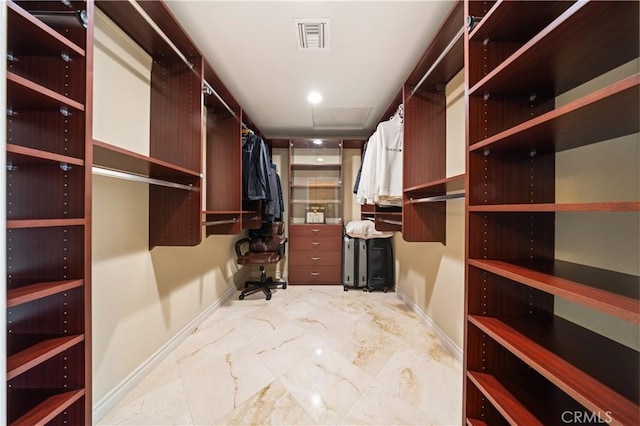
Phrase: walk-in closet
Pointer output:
(320, 212)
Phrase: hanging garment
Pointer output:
(255, 168)
(381, 169)
(389, 163)
(273, 208)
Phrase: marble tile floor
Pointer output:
(312, 355)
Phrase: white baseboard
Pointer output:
(446, 340)
(111, 399)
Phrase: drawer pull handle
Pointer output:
(315, 231)
(315, 258)
(315, 243)
(315, 274)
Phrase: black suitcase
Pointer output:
(354, 263)
(380, 265)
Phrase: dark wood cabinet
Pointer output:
(524, 362)
(48, 210)
(315, 254)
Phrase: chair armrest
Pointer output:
(239, 244)
(282, 245)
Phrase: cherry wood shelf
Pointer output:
(577, 123)
(549, 59)
(124, 14)
(47, 410)
(30, 36)
(503, 400)
(610, 206)
(25, 94)
(475, 422)
(516, 21)
(610, 292)
(130, 162)
(437, 187)
(116, 158)
(524, 389)
(556, 350)
(37, 291)
(44, 223)
(18, 154)
(39, 353)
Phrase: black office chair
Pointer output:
(263, 249)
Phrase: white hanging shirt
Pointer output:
(389, 164)
(381, 174)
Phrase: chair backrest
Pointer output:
(269, 241)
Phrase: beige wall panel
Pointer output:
(121, 88)
(605, 171)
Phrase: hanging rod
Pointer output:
(437, 198)
(210, 90)
(219, 222)
(373, 219)
(439, 59)
(137, 178)
(392, 222)
(161, 33)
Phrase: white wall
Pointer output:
(141, 298)
(606, 171)
(432, 274)
(3, 213)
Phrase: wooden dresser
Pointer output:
(315, 254)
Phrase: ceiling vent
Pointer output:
(313, 33)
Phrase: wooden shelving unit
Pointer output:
(49, 105)
(424, 168)
(315, 211)
(524, 362)
(226, 211)
(176, 115)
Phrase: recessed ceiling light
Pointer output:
(314, 97)
(317, 141)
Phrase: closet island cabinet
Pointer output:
(315, 211)
(48, 104)
(552, 212)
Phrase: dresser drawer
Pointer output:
(315, 244)
(315, 258)
(315, 274)
(315, 231)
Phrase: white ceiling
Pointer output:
(252, 46)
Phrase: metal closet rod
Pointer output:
(137, 178)
(220, 222)
(161, 33)
(210, 90)
(437, 198)
(439, 59)
(391, 222)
